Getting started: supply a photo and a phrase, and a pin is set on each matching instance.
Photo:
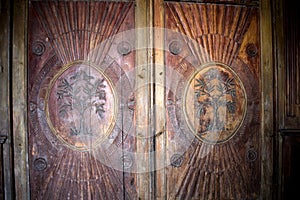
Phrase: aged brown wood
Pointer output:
(144, 100)
(19, 100)
(1, 176)
(159, 101)
(220, 36)
(235, 2)
(77, 86)
(290, 163)
(5, 89)
(291, 27)
(4, 103)
(278, 97)
(286, 44)
(267, 125)
(180, 178)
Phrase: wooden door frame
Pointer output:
(267, 103)
(19, 97)
(5, 71)
(285, 123)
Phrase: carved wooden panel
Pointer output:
(219, 100)
(235, 2)
(213, 96)
(292, 66)
(78, 92)
(290, 163)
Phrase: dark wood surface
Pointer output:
(223, 162)
(291, 76)
(73, 83)
(56, 163)
(6, 190)
(290, 163)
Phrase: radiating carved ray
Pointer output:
(67, 28)
(73, 30)
(62, 176)
(53, 177)
(100, 22)
(65, 176)
(45, 19)
(75, 171)
(220, 35)
(222, 165)
(74, 36)
(219, 28)
(94, 166)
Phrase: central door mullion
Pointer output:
(144, 90)
(159, 110)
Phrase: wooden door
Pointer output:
(213, 101)
(170, 112)
(78, 91)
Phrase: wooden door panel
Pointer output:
(77, 85)
(81, 112)
(216, 100)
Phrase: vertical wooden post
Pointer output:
(144, 99)
(5, 131)
(19, 99)
(279, 93)
(267, 77)
(159, 100)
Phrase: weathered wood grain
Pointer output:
(5, 112)
(267, 125)
(19, 100)
(226, 32)
(222, 33)
(77, 88)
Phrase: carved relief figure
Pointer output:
(79, 94)
(219, 103)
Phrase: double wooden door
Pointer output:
(144, 100)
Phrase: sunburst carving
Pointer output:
(218, 29)
(215, 35)
(77, 28)
(77, 175)
(74, 34)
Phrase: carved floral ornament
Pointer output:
(215, 103)
(81, 105)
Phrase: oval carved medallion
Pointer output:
(215, 103)
(81, 105)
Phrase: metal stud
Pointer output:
(124, 48)
(175, 47)
(38, 48)
(251, 155)
(251, 50)
(40, 164)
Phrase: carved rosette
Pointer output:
(81, 105)
(215, 103)
(38, 48)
